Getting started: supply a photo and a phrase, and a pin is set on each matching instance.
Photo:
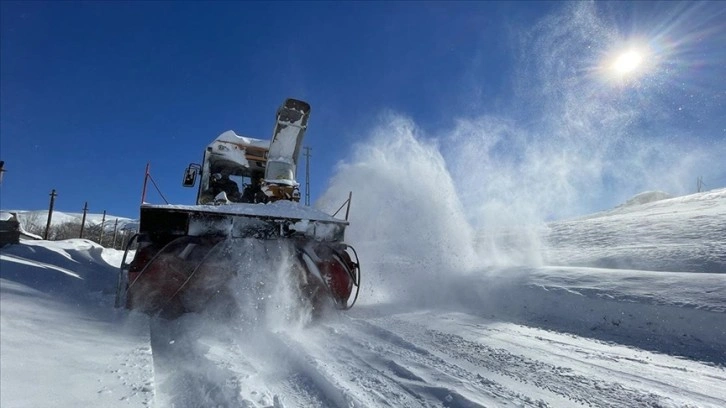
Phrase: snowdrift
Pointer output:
(63, 344)
(73, 267)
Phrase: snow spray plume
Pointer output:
(573, 142)
(608, 138)
(406, 219)
(265, 289)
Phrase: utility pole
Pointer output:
(100, 235)
(699, 183)
(307, 175)
(83, 220)
(50, 213)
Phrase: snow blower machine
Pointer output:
(187, 255)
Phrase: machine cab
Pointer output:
(233, 165)
(249, 170)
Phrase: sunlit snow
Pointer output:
(530, 336)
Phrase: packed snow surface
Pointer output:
(568, 334)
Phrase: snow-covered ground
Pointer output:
(61, 342)
(627, 309)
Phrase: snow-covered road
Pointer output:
(413, 359)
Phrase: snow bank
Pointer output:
(71, 267)
(63, 344)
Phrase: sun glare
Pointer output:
(627, 62)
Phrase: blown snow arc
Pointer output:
(183, 257)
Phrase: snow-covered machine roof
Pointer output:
(277, 209)
(232, 137)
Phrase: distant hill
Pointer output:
(651, 231)
(37, 220)
(647, 197)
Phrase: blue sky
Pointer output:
(92, 91)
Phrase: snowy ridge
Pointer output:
(657, 199)
(647, 197)
(680, 234)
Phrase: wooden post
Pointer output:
(115, 226)
(100, 235)
(83, 220)
(50, 213)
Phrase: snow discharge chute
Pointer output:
(247, 210)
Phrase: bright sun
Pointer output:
(627, 62)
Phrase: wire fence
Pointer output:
(110, 232)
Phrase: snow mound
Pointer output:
(646, 197)
(74, 267)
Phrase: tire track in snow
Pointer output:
(480, 387)
(684, 381)
(348, 379)
(605, 363)
(399, 373)
(560, 380)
